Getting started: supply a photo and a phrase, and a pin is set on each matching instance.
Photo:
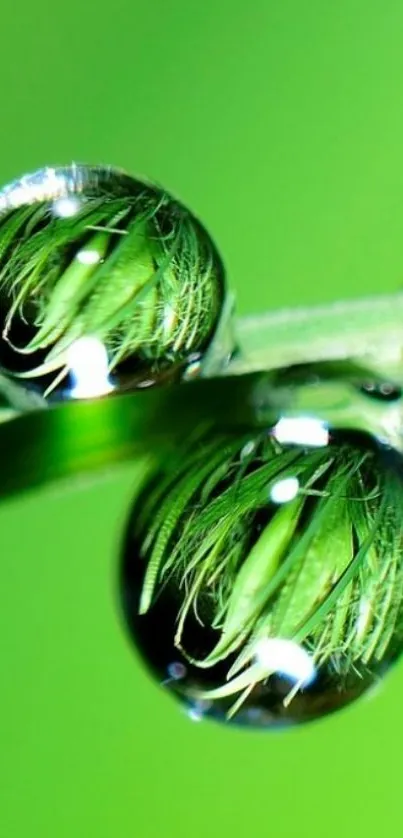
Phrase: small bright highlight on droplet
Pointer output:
(302, 430)
(177, 670)
(66, 207)
(197, 712)
(195, 715)
(286, 658)
(88, 257)
(284, 490)
(87, 359)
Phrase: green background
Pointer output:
(281, 125)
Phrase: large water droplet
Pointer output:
(262, 578)
(106, 283)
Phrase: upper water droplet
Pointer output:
(106, 283)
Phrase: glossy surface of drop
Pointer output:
(262, 580)
(106, 283)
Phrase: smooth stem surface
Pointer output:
(82, 437)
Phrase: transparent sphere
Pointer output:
(106, 283)
(262, 575)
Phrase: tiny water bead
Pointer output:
(262, 581)
(102, 276)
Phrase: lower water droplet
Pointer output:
(275, 606)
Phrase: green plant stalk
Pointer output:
(367, 331)
(234, 396)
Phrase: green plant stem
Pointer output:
(368, 331)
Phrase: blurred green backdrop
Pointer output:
(281, 124)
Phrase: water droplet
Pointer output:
(275, 612)
(90, 253)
